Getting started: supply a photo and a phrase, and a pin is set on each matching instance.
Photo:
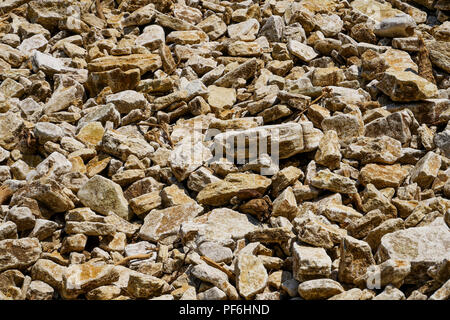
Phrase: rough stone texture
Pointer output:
(159, 224)
(19, 253)
(310, 263)
(103, 195)
(355, 258)
(423, 247)
(319, 289)
(251, 275)
(224, 150)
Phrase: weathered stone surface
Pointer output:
(325, 179)
(383, 149)
(144, 286)
(423, 247)
(355, 258)
(222, 224)
(187, 157)
(251, 275)
(219, 193)
(397, 125)
(244, 71)
(103, 195)
(328, 154)
(375, 235)
(126, 101)
(347, 125)
(426, 169)
(78, 279)
(406, 86)
(317, 231)
(19, 253)
(319, 289)
(121, 145)
(224, 150)
(383, 176)
(159, 224)
(310, 263)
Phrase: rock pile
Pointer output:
(242, 149)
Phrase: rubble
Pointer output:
(224, 150)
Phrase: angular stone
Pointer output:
(90, 228)
(391, 272)
(216, 252)
(317, 231)
(375, 235)
(8, 230)
(221, 192)
(245, 31)
(121, 145)
(426, 169)
(301, 51)
(222, 224)
(51, 194)
(346, 125)
(251, 276)
(361, 227)
(406, 86)
(390, 293)
(127, 177)
(423, 247)
(319, 289)
(144, 286)
(285, 178)
(19, 253)
(270, 235)
(151, 37)
(382, 149)
(187, 156)
(216, 277)
(443, 293)
(310, 263)
(221, 98)
(397, 125)
(146, 202)
(103, 195)
(39, 290)
(104, 293)
(200, 178)
(11, 126)
(159, 224)
(213, 26)
(117, 79)
(373, 199)
(325, 179)
(285, 204)
(174, 195)
(328, 153)
(81, 278)
(382, 176)
(143, 62)
(187, 37)
(91, 133)
(339, 213)
(273, 29)
(67, 92)
(355, 258)
(127, 100)
(244, 71)
(74, 243)
(22, 217)
(398, 26)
